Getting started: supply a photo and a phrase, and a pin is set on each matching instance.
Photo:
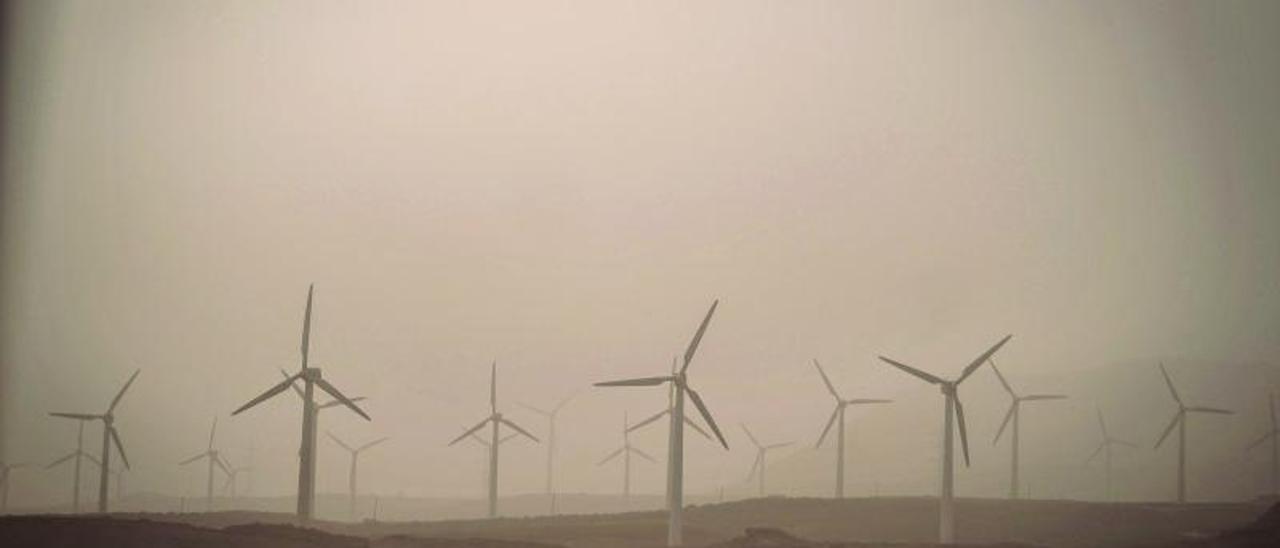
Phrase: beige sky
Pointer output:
(566, 187)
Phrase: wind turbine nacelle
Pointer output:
(311, 374)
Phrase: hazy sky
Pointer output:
(565, 187)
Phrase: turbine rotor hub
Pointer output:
(311, 373)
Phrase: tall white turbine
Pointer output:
(355, 458)
(759, 465)
(215, 461)
(837, 416)
(495, 420)
(311, 378)
(551, 415)
(109, 436)
(1180, 421)
(1274, 435)
(78, 455)
(5, 469)
(625, 452)
(952, 409)
(1104, 449)
(675, 443)
(1014, 415)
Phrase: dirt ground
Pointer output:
(772, 522)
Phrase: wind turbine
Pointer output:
(233, 475)
(355, 455)
(1105, 449)
(551, 442)
(625, 452)
(5, 468)
(1274, 435)
(311, 378)
(675, 443)
(317, 408)
(952, 410)
(1015, 414)
(671, 405)
(214, 460)
(109, 435)
(78, 455)
(838, 416)
(758, 467)
(1180, 421)
(496, 420)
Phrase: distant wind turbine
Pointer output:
(215, 460)
(484, 470)
(1272, 434)
(311, 378)
(5, 469)
(233, 478)
(1180, 421)
(1104, 448)
(625, 452)
(759, 465)
(675, 444)
(551, 415)
(952, 409)
(355, 458)
(496, 420)
(837, 416)
(109, 436)
(78, 455)
(1015, 414)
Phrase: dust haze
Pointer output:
(566, 187)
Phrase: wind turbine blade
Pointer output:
(779, 445)
(520, 430)
(861, 401)
(830, 388)
(1041, 397)
(115, 438)
(324, 385)
(827, 428)
(611, 456)
(296, 390)
(506, 438)
(120, 394)
(338, 441)
(193, 459)
(691, 424)
(706, 415)
(913, 371)
(1176, 417)
(372, 443)
(964, 435)
(1255, 444)
(534, 409)
(697, 337)
(750, 436)
(222, 466)
(281, 387)
(1095, 453)
(306, 326)
(642, 423)
(481, 441)
(213, 429)
(643, 455)
(334, 403)
(1003, 382)
(755, 465)
(1169, 382)
(78, 416)
(1007, 417)
(982, 359)
(61, 460)
(1210, 410)
(646, 381)
(471, 431)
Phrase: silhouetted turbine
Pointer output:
(1180, 421)
(109, 436)
(1015, 415)
(78, 455)
(837, 416)
(625, 452)
(496, 420)
(1104, 448)
(215, 460)
(759, 465)
(355, 458)
(551, 415)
